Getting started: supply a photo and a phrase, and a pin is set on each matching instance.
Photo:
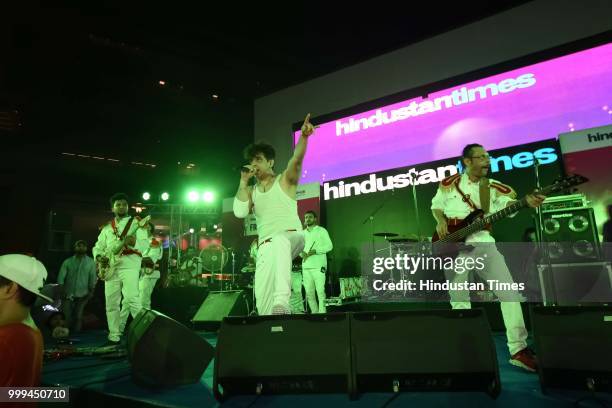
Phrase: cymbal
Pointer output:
(385, 234)
(397, 240)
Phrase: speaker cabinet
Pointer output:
(573, 347)
(282, 354)
(570, 235)
(441, 350)
(219, 305)
(434, 350)
(165, 353)
(572, 284)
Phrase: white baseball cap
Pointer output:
(26, 271)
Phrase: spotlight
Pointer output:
(208, 196)
(193, 196)
(165, 196)
(146, 196)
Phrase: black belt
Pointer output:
(270, 239)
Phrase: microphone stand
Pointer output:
(233, 269)
(412, 175)
(536, 170)
(371, 219)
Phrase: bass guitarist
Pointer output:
(457, 197)
(125, 276)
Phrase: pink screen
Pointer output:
(524, 105)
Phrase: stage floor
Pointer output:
(97, 381)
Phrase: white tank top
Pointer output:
(275, 211)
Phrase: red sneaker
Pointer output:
(525, 359)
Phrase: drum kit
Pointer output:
(410, 245)
(207, 270)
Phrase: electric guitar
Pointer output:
(477, 221)
(106, 267)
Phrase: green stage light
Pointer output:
(192, 196)
(165, 196)
(208, 197)
(146, 196)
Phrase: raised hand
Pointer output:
(307, 127)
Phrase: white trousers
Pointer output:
(314, 284)
(494, 269)
(124, 283)
(296, 302)
(273, 272)
(146, 286)
(145, 289)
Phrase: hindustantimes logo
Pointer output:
(599, 137)
(418, 107)
(372, 183)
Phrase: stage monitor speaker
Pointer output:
(165, 353)
(573, 347)
(219, 305)
(434, 350)
(570, 235)
(282, 354)
(574, 284)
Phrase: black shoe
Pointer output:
(110, 343)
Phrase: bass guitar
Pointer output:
(477, 220)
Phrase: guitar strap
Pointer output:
(127, 228)
(485, 195)
(466, 198)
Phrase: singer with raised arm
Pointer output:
(457, 197)
(273, 201)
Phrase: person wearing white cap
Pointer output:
(21, 343)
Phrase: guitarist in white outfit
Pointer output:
(124, 279)
(149, 274)
(456, 198)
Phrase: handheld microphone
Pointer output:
(242, 168)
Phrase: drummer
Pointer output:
(191, 265)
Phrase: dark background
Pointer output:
(84, 79)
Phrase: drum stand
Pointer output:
(233, 269)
